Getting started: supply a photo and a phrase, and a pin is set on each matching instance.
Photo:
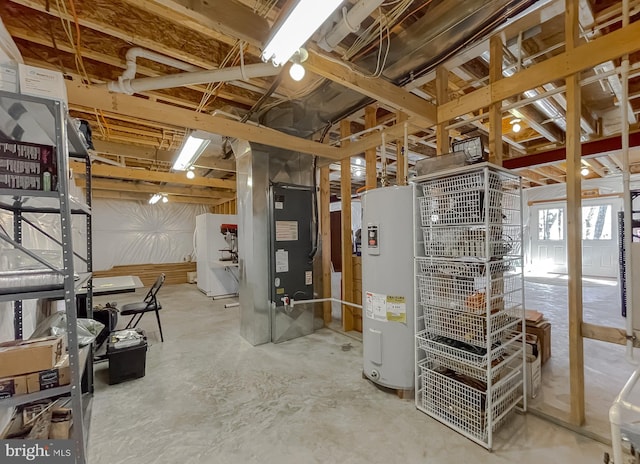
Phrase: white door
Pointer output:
(599, 237)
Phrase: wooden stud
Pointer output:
(124, 186)
(495, 109)
(371, 157)
(401, 175)
(574, 225)
(325, 225)
(347, 245)
(442, 97)
(144, 198)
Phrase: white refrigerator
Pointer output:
(216, 277)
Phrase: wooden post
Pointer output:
(370, 120)
(574, 224)
(325, 225)
(401, 175)
(495, 109)
(347, 245)
(442, 97)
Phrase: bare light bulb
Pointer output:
(165, 199)
(191, 174)
(516, 127)
(584, 171)
(296, 71)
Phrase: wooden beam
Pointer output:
(574, 223)
(370, 155)
(325, 225)
(126, 186)
(588, 55)
(442, 97)
(144, 198)
(606, 334)
(375, 139)
(100, 98)
(115, 172)
(207, 160)
(379, 89)
(401, 174)
(495, 109)
(347, 245)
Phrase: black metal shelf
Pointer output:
(30, 397)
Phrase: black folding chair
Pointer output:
(150, 303)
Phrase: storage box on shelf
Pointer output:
(469, 294)
(26, 124)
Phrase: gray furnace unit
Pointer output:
(387, 286)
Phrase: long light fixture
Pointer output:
(305, 18)
(191, 149)
(155, 199)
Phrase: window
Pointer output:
(550, 224)
(596, 222)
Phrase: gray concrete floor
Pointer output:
(210, 397)
(606, 370)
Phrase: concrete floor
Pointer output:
(606, 370)
(210, 397)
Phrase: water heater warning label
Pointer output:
(381, 307)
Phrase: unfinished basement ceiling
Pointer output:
(89, 41)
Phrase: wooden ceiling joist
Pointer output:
(607, 47)
(123, 186)
(100, 98)
(144, 197)
(116, 172)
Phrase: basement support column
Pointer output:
(442, 97)
(370, 155)
(401, 174)
(347, 246)
(325, 231)
(495, 109)
(574, 224)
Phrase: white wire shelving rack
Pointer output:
(470, 350)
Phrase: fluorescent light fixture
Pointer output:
(305, 18)
(191, 149)
(155, 199)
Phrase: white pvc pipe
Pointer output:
(322, 300)
(130, 86)
(137, 52)
(406, 153)
(349, 23)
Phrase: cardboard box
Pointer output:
(41, 82)
(20, 357)
(534, 376)
(27, 166)
(57, 377)
(12, 386)
(542, 330)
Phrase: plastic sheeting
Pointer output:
(130, 232)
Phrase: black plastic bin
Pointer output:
(127, 363)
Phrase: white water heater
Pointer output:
(387, 287)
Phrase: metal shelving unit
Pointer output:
(36, 119)
(470, 356)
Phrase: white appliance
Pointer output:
(216, 277)
(387, 287)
